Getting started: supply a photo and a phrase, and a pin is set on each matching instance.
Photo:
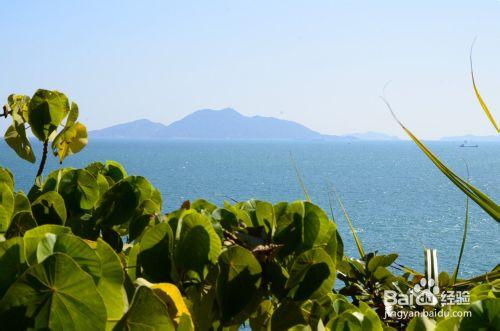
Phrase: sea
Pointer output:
(396, 198)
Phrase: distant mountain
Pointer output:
(229, 124)
(140, 129)
(212, 124)
(472, 138)
(225, 124)
(372, 136)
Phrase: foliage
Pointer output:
(79, 254)
(44, 112)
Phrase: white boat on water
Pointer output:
(465, 144)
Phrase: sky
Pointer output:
(321, 63)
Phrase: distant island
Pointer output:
(472, 138)
(226, 124)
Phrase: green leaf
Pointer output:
(79, 190)
(21, 222)
(194, 260)
(133, 270)
(288, 315)
(12, 262)
(421, 323)
(33, 236)
(202, 205)
(155, 255)
(203, 306)
(240, 273)
(114, 170)
(21, 203)
(117, 205)
(485, 291)
(110, 285)
(147, 312)
(55, 294)
(381, 261)
(6, 206)
(7, 178)
(19, 105)
(318, 231)
(261, 318)
(75, 248)
(289, 232)
(16, 138)
(70, 140)
(345, 321)
(312, 275)
(47, 109)
(49, 208)
(485, 315)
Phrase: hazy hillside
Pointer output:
(227, 124)
(133, 130)
(212, 124)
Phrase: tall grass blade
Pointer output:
(330, 203)
(299, 178)
(455, 273)
(472, 192)
(351, 227)
(478, 95)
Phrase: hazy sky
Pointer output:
(320, 63)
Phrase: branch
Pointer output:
(44, 158)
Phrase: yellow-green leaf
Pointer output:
(481, 100)
(70, 141)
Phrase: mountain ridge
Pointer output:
(227, 124)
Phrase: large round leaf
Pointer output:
(12, 263)
(147, 312)
(6, 206)
(6, 177)
(34, 236)
(318, 229)
(21, 203)
(55, 294)
(21, 222)
(485, 315)
(117, 205)
(79, 190)
(197, 247)
(110, 285)
(114, 170)
(70, 141)
(238, 282)
(46, 111)
(312, 275)
(16, 138)
(49, 208)
(289, 219)
(75, 248)
(155, 254)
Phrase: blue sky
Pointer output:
(320, 63)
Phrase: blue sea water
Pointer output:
(396, 198)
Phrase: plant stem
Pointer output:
(44, 158)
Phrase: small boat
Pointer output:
(465, 144)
